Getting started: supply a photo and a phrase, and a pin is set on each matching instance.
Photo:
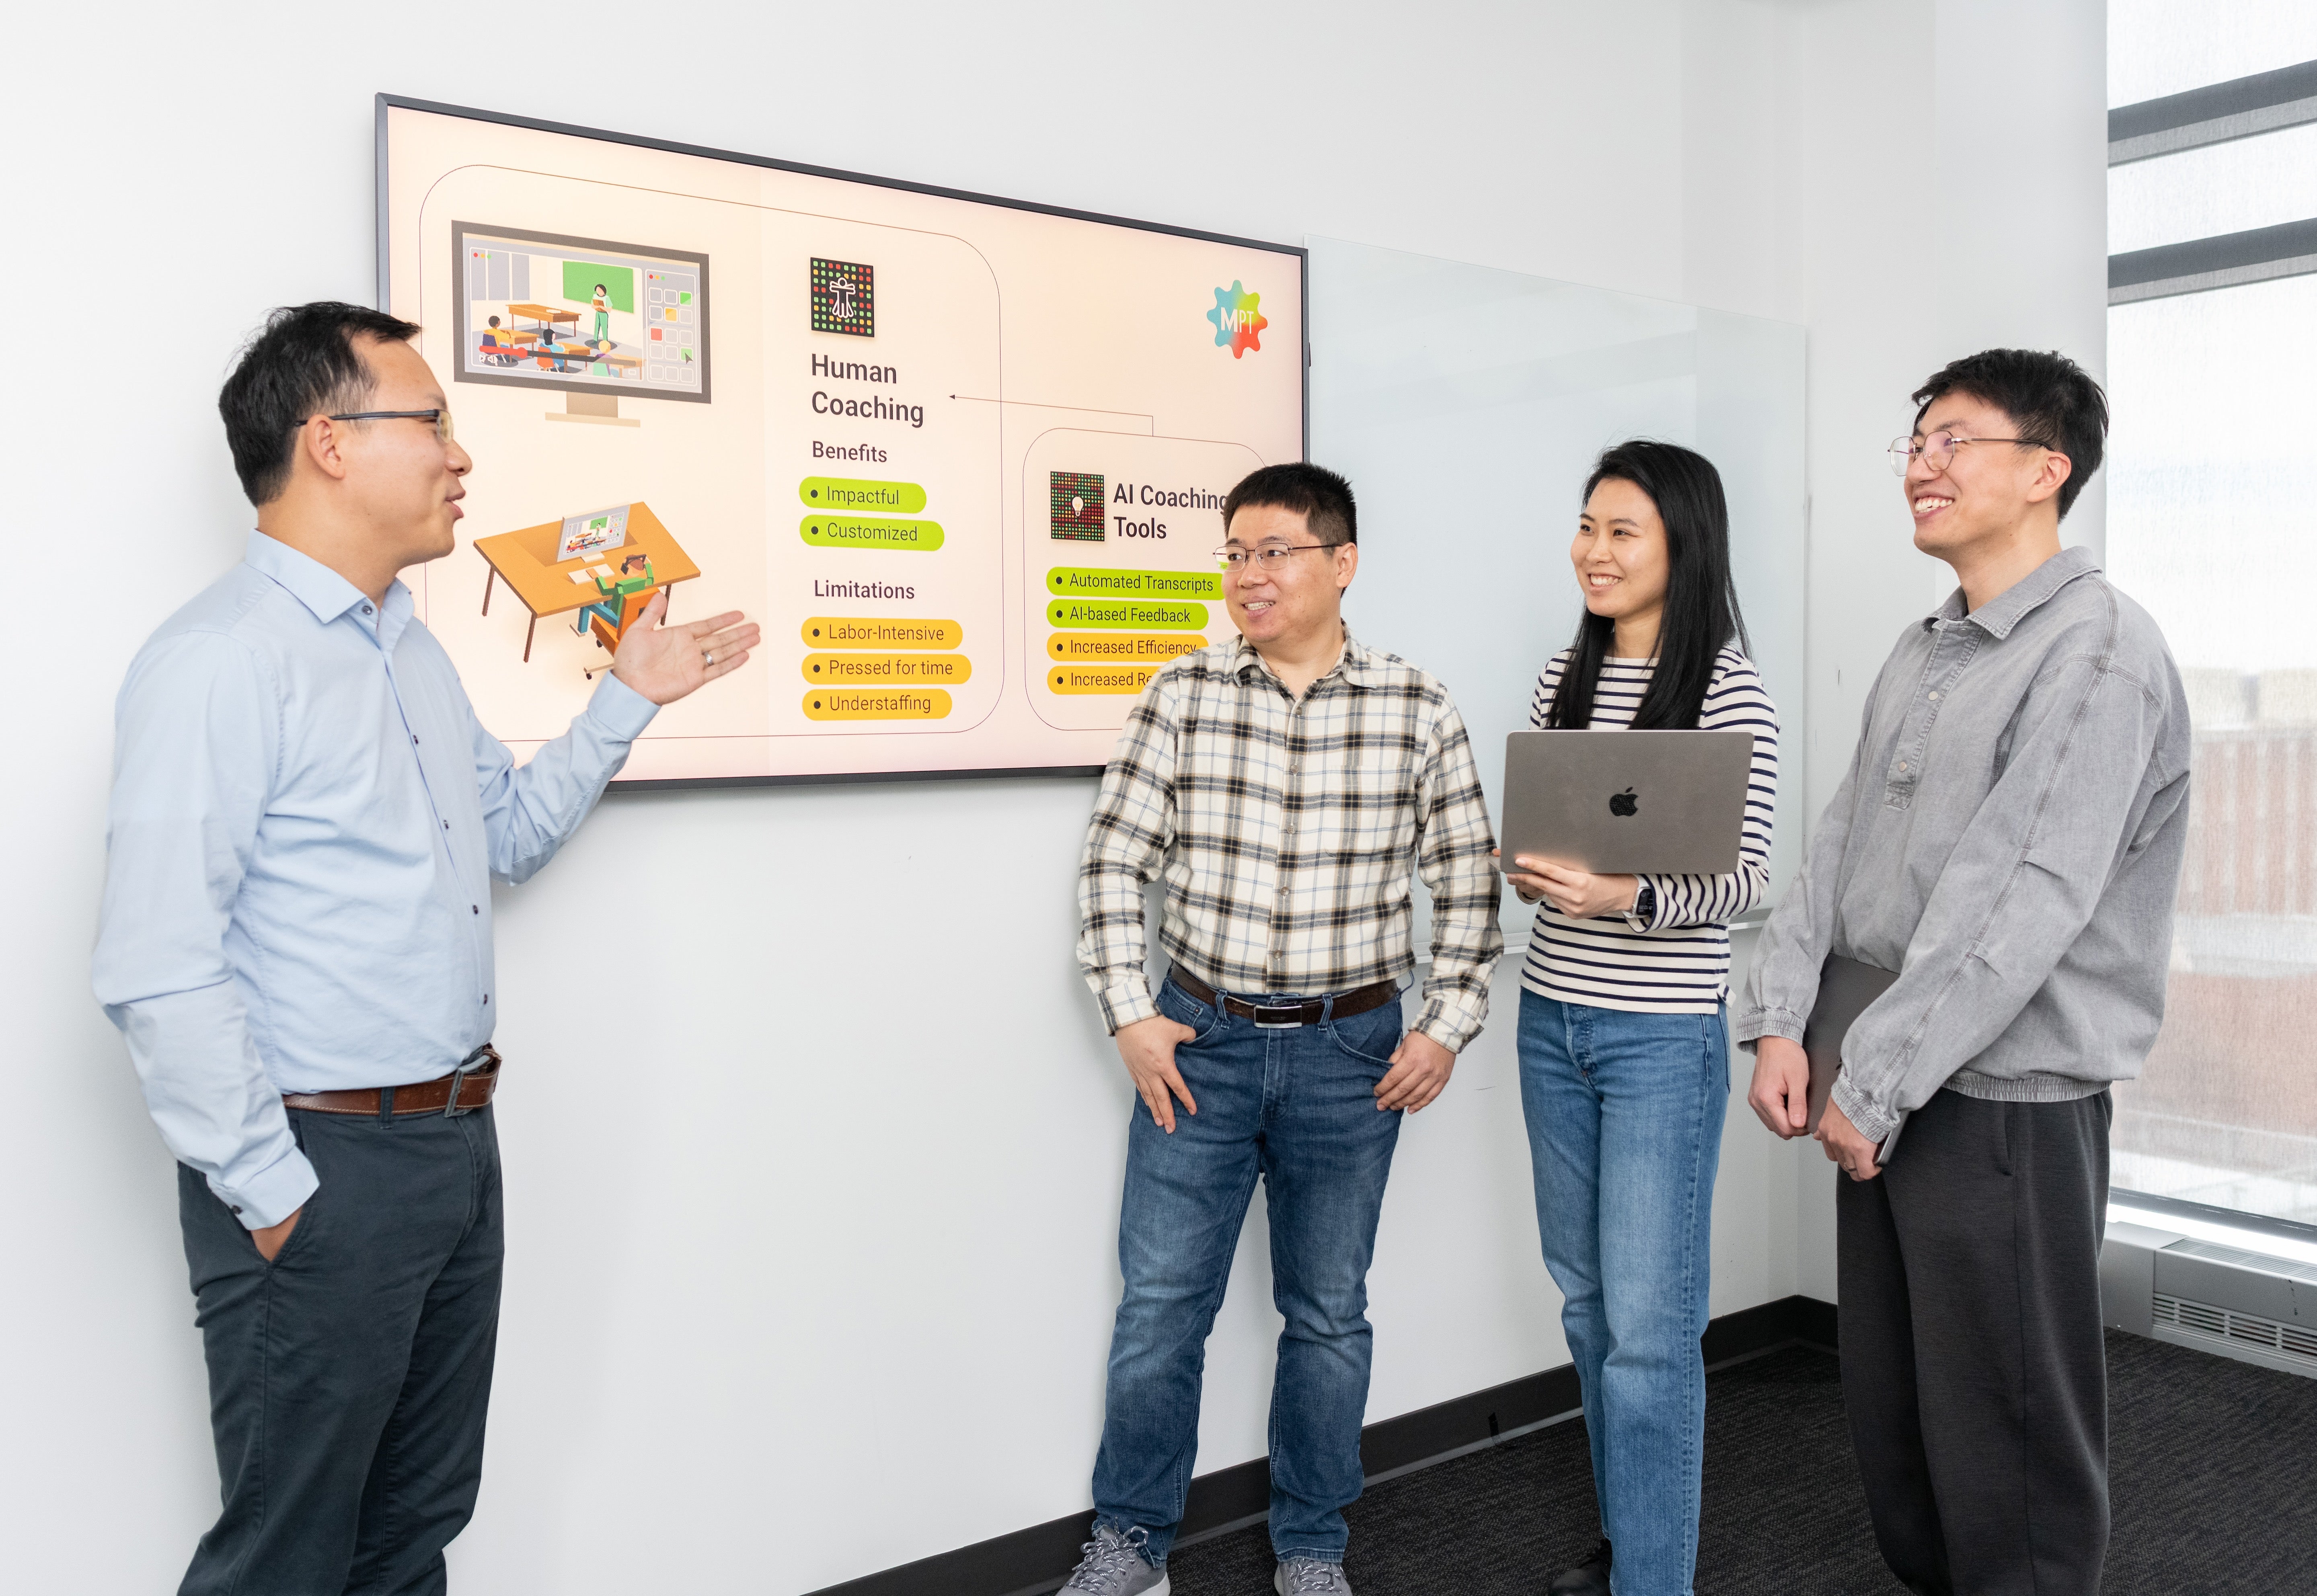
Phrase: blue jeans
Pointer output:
(1296, 1106)
(1624, 1128)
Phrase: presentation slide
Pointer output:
(963, 458)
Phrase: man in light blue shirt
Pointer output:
(296, 942)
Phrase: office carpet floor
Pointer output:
(2212, 1470)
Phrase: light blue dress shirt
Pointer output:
(306, 820)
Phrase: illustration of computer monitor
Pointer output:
(591, 318)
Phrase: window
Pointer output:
(2213, 526)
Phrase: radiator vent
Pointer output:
(2227, 1324)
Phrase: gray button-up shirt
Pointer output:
(2008, 840)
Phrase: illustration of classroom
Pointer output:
(544, 309)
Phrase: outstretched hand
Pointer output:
(666, 662)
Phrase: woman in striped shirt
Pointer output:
(1624, 1044)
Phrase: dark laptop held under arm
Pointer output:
(1845, 988)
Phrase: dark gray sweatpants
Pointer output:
(348, 1379)
(1972, 1361)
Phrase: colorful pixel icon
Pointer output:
(843, 298)
(1074, 505)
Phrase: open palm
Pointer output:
(665, 663)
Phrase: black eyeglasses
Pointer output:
(440, 419)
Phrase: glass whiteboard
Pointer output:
(1467, 404)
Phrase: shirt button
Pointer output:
(237, 1208)
(1902, 764)
(414, 736)
(478, 908)
(366, 609)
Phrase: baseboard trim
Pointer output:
(1035, 1560)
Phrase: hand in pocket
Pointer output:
(1420, 1068)
(1148, 1047)
(274, 1237)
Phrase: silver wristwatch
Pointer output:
(1644, 909)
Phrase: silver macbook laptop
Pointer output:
(1616, 801)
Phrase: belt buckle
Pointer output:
(1262, 1009)
(483, 1058)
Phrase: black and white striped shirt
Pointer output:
(1681, 964)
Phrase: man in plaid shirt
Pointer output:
(1285, 785)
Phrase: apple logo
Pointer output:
(1622, 804)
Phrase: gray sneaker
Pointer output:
(1113, 1565)
(1301, 1576)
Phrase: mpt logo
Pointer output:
(1238, 324)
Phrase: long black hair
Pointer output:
(1701, 603)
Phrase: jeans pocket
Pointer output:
(1371, 1038)
(1183, 1009)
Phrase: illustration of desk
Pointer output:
(504, 347)
(547, 315)
(579, 357)
(525, 561)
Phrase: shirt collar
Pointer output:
(323, 591)
(1354, 665)
(2009, 608)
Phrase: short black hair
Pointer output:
(1320, 496)
(302, 363)
(2053, 402)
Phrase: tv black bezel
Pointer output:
(385, 103)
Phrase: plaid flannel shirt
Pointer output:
(1286, 831)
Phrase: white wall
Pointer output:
(846, 1303)
(1948, 193)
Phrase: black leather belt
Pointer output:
(1286, 1016)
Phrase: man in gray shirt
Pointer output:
(2007, 841)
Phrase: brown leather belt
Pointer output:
(1285, 1016)
(461, 1092)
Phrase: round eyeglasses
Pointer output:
(1938, 450)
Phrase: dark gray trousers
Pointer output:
(348, 1379)
(1972, 1361)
